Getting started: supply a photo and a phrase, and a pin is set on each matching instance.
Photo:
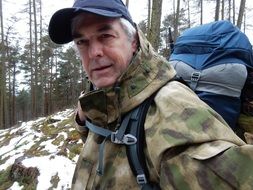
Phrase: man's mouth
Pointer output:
(101, 68)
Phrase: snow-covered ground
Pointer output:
(18, 143)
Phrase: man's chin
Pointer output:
(104, 83)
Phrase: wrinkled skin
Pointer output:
(104, 48)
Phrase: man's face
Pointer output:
(104, 48)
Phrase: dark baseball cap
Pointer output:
(60, 24)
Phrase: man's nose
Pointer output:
(95, 50)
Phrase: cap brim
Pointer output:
(59, 28)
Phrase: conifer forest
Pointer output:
(38, 77)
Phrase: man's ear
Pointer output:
(135, 43)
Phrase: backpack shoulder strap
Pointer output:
(135, 152)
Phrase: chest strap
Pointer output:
(116, 137)
(131, 134)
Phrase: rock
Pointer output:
(19, 172)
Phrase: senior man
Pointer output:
(187, 145)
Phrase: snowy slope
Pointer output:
(48, 146)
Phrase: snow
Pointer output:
(49, 146)
(12, 150)
(62, 115)
(49, 167)
(15, 186)
(15, 141)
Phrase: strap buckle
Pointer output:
(141, 179)
(127, 139)
(195, 76)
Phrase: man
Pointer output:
(188, 145)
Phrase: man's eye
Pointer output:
(105, 36)
(81, 42)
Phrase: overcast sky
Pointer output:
(137, 8)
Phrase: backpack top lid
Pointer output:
(212, 44)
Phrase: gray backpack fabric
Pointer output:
(215, 59)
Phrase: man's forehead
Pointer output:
(104, 27)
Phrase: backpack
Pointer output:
(216, 60)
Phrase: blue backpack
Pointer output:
(215, 59)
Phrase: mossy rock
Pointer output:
(73, 135)
(5, 181)
(75, 148)
(58, 140)
(25, 176)
(36, 150)
(54, 181)
(49, 130)
(67, 122)
(7, 137)
(2, 161)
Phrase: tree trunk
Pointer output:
(50, 85)
(177, 20)
(217, 10)
(35, 58)
(33, 105)
(41, 64)
(8, 71)
(46, 103)
(244, 22)
(154, 33)
(222, 9)
(14, 95)
(2, 74)
(2, 25)
(189, 14)
(127, 3)
(149, 16)
(11, 70)
(201, 12)
(241, 13)
(1, 68)
(229, 10)
(233, 11)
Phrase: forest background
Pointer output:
(38, 77)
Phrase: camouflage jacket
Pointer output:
(189, 146)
